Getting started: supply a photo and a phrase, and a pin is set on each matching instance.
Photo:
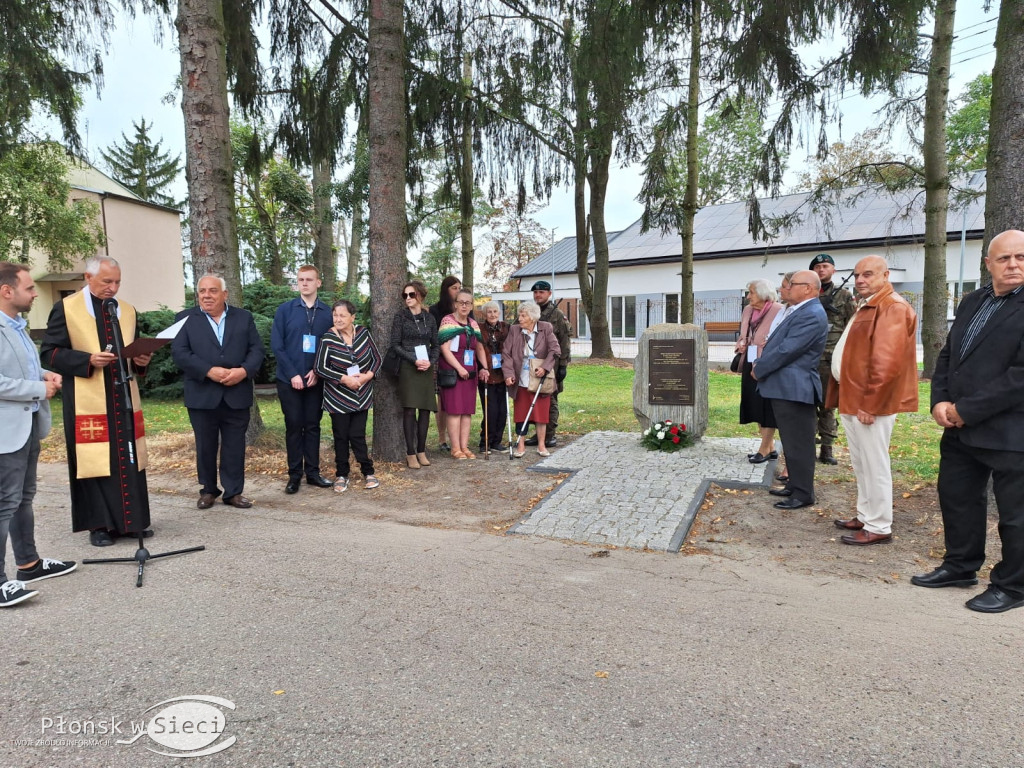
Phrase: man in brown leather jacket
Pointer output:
(875, 366)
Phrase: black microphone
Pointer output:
(110, 307)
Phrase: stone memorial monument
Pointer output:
(671, 380)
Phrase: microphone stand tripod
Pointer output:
(122, 379)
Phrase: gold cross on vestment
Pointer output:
(92, 428)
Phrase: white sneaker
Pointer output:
(14, 592)
(46, 568)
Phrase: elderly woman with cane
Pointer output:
(530, 352)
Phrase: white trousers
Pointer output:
(869, 454)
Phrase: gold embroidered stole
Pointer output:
(92, 437)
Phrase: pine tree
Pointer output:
(141, 166)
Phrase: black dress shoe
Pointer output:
(792, 503)
(205, 501)
(100, 538)
(532, 440)
(319, 481)
(239, 501)
(293, 485)
(550, 442)
(780, 492)
(757, 458)
(944, 577)
(994, 600)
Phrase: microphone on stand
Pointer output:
(110, 307)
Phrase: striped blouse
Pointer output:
(333, 359)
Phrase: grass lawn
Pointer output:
(600, 397)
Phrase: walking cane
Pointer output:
(526, 421)
(508, 420)
(487, 440)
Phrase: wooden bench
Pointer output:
(732, 329)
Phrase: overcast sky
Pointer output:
(142, 69)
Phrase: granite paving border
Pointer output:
(621, 494)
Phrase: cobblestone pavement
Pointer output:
(620, 493)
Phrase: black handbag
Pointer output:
(447, 377)
(736, 363)
(392, 362)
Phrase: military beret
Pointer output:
(821, 258)
(541, 285)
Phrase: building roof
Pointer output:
(87, 178)
(864, 217)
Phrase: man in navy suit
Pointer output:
(978, 397)
(787, 373)
(219, 351)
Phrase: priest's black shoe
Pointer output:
(100, 538)
(944, 577)
(319, 481)
(293, 485)
(780, 492)
(994, 600)
(792, 503)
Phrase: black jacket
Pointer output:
(196, 351)
(987, 385)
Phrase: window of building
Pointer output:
(671, 307)
(623, 317)
(954, 295)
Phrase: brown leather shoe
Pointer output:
(853, 524)
(238, 500)
(205, 501)
(863, 538)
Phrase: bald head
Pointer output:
(870, 275)
(803, 286)
(1005, 261)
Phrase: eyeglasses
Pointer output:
(411, 295)
(464, 303)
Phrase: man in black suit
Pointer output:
(978, 397)
(220, 352)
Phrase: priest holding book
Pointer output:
(106, 456)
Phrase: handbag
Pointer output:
(737, 361)
(392, 362)
(447, 377)
(547, 384)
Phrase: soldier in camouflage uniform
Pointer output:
(839, 306)
(550, 313)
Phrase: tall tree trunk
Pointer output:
(600, 336)
(388, 225)
(208, 169)
(1004, 195)
(692, 179)
(936, 186)
(580, 201)
(354, 250)
(466, 175)
(325, 256)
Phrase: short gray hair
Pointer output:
(763, 290)
(223, 283)
(93, 264)
(488, 306)
(531, 308)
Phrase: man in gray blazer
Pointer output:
(787, 373)
(25, 389)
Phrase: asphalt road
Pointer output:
(348, 642)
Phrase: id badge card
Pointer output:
(309, 343)
(468, 357)
(421, 352)
(496, 361)
(454, 346)
(352, 370)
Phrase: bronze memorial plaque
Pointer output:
(670, 365)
